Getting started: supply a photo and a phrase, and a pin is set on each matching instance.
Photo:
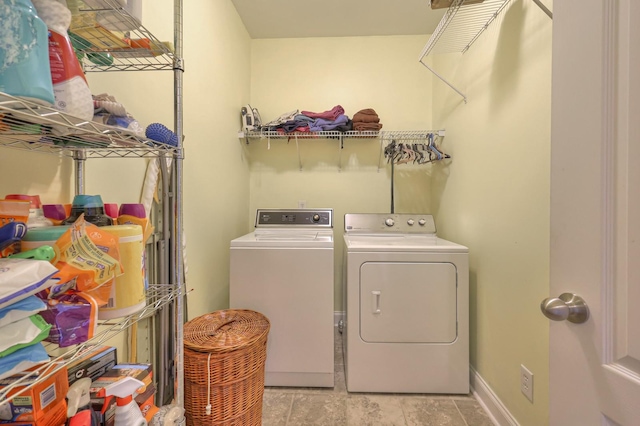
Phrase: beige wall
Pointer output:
(315, 74)
(494, 197)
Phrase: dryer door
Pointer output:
(408, 302)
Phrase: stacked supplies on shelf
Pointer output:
(334, 119)
(22, 329)
(308, 121)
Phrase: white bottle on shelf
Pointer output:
(70, 88)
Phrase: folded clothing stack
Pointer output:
(366, 120)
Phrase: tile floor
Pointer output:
(337, 407)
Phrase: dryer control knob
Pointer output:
(410, 222)
(316, 217)
(389, 222)
(422, 222)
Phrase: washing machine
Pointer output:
(285, 270)
(406, 326)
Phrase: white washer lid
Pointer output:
(286, 238)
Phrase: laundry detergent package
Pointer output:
(20, 334)
(21, 309)
(92, 364)
(141, 372)
(21, 278)
(34, 404)
(73, 318)
(89, 261)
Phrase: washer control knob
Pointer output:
(389, 222)
(410, 222)
(422, 222)
(316, 217)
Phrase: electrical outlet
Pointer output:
(526, 382)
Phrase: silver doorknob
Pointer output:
(568, 306)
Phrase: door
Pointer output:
(595, 211)
(408, 302)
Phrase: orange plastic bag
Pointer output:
(89, 261)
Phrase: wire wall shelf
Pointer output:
(384, 137)
(158, 296)
(29, 126)
(107, 37)
(459, 28)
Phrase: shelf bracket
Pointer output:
(544, 8)
(298, 149)
(464, 97)
(340, 148)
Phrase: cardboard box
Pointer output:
(34, 404)
(146, 400)
(441, 4)
(93, 364)
(141, 372)
(55, 417)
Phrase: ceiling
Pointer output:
(336, 18)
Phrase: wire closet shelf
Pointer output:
(459, 28)
(158, 296)
(128, 46)
(29, 126)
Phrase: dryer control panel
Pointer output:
(381, 223)
(296, 218)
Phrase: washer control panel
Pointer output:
(376, 223)
(322, 218)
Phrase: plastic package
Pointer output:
(21, 278)
(73, 318)
(168, 415)
(24, 53)
(89, 261)
(22, 309)
(20, 334)
(72, 94)
(22, 360)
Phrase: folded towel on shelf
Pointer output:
(367, 115)
(363, 127)
(331, 114)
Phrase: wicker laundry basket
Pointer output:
(224, 357)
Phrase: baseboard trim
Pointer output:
(496, 410)
(337, 316)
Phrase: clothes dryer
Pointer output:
(406, 326)
(285, 271)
